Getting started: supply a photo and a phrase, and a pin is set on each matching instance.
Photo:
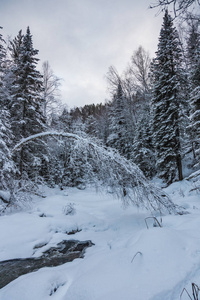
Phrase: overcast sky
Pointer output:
(82, 38)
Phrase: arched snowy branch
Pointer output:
(43, 134)
(105, 165)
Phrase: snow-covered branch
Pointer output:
(43, 134)
(108, 167)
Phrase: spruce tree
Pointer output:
(2, 53)
(27, 106)
(143, 153)
(120, 135)
(193, 55)
(7, 168)
(15, 46)
(166, 70)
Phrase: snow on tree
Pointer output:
(7, 168)
(120, 135)
(15, 46)
(105, 166)
(192, 40)
(64, 121)
(134, 81)
(2, 53)
(27, 106)
(166, 108)
(142, 150)
(193, 55)
(132, 109)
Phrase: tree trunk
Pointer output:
(179, 166)
(193, 150)
(21, 162)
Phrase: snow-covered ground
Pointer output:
(127, 262)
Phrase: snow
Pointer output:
(114, 171)
(128, 261)
(47, 133)
(5, 195)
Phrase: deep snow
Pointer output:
(127, 262)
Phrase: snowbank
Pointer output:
(128, 260)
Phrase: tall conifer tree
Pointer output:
(193, 55)
(27, 104)
(166, 70)
(7, 168)
(120, 136)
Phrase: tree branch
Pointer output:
(107, 166)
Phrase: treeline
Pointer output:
(152, 119)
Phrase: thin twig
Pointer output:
(195, 291)
(136, 255)
(155, 219)
(186, 292)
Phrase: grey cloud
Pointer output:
(82, 38)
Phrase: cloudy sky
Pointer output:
(82, 38)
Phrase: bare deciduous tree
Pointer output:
(113, 79)
(135, 78)
(139, 69)
(51, 92)
(179, 6)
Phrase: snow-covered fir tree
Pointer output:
(120, 135)
(27, 105)
(2, 54)
(193, 55)
(65, 121)
(143, 153)
(165, 103)
(7, 167)
(15, 46)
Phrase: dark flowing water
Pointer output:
(65, 251)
